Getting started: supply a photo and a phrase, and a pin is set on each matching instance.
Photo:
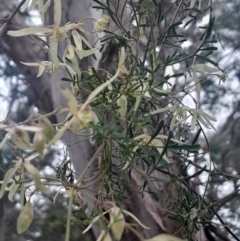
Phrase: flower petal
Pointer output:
(29, 31)
(57, 12)
(12, 190)
(30, 64)
(84, 53)
(162, 110)
(164, 237)
(117, 222)
(44, 8)
(135, 218)
(33, 171)
(197, 85)
(33, 4)
(122, 57)
(203, 68)
(94, 221)
(194, 121)
(7, 178)
(72, 102)
(122, 103)
(77, 39)
(54, 50)
(104, 236)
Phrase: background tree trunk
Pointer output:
(2, 213)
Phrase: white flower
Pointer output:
(120, 218)
(41, 6)
(56, 32)
(50, 67)
(203, 70)
(222, 77)
(183, 113)
(81, 118)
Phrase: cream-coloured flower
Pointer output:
(39, 3)
(90, 71)
(50, 67)
(78, 39)
(122, 103)
(222, 78)
(104, 236)
(183, 113)
(39, 141)
(203, 70)
(117, 222)
(69, 52)
(24, 166)
(56, 32)
(116, 214)
(102, 23)
(82, 117)
(165, 237)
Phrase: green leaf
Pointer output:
(197, 136)
(159, 128)
(166, 146)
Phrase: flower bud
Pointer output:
(122, 103)
(47, 128)
(104, 236)
(165, 237)
(21, 139)
(39, 142)
(117, 222)
(33, 171)
(25, 218)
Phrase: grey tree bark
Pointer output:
(2, 207)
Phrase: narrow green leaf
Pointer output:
(197, 136)
(159, 128)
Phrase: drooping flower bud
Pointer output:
(21, 139)
(122, 103)
(165, 237)
(33, 171)
(47, 128)
(104, 236)
(39, 142)
(25, 218)
(117, 222)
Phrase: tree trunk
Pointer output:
(2, 214)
